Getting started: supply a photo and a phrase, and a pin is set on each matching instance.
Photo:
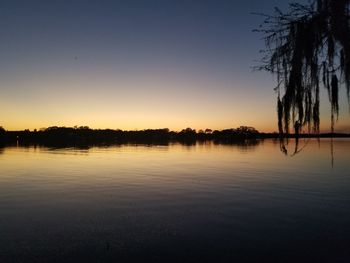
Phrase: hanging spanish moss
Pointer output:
(307, 48)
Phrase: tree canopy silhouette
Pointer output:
(307, 47)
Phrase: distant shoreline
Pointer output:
(86, 136)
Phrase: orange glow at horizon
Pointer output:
(148, 101)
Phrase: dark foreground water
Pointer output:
(203, 203)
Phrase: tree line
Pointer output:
(84, 134)
(70, 136)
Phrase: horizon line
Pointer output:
(207, 130)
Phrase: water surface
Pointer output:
(175, 203)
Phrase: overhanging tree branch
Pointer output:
(306, 48)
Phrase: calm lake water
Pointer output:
(175, 203)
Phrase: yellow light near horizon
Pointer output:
(136, 103)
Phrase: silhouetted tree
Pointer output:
(187, 134)
(2, 134)
(307, 47)
(245, 130)
(208, 131)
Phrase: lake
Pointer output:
(176, 203)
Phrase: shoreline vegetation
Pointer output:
(83, 135)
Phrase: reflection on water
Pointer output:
(243, 144)
(175, 203)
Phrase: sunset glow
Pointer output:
(193, 69)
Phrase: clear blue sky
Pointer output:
(135, 64)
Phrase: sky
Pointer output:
(137, 64)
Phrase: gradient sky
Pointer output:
(137, 64)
